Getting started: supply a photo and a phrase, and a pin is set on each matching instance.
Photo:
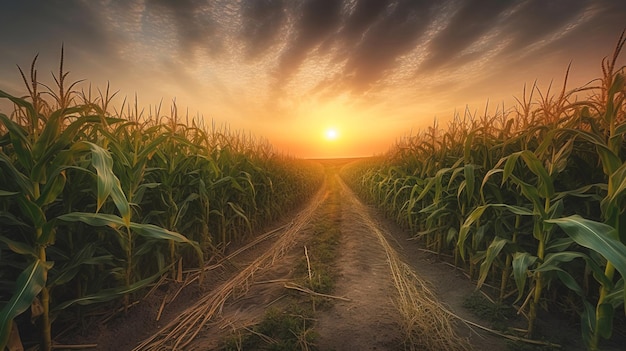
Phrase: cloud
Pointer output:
(315, 22)
(274, 56)
(44, 26)
(194, 24)
(364, 14)
(472, 20)
(262, 21)
(536, 20)
(395, 33)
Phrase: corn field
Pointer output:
(98, 203)
(528, 200)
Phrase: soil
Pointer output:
(368, 321)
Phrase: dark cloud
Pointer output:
(537, 19)
(365, 13)
(604, 21)
(395, 34)
(472, 20)
(42, 26)
(316, 20)
(195, 26)
(262, 22)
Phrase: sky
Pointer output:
(289, 71)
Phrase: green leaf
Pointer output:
(509, 166)
(545, 186)
(24, 184)
(30, 110)
(67, 271)
(52, 189)
(596, 236)
(553, 261)
(559, 244)
(239, 212)
(610, 161)
(146, 230)
(520, 264)
(60, 146)
(492, 252)
(587, 322)
(94, 219)
(111, 294)
(604, 317)
(108, 183)
(9, 219)
(8, 193)
(32, 211)
(531, 193)
(18, 247)
(569, 282)
(467, 224)
(616, 296)
(617, 187)
(28, 285)
(19, 141)
(51, 131)
(469, 171)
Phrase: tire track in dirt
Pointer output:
(428, 296)
(378, 284)
(392, 308)
(369, 321)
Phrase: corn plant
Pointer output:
(549, 208)
(93, 204)
(607, 238)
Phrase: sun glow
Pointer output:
(331, 134)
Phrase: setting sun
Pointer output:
(331, 134)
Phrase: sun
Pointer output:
(331, 134)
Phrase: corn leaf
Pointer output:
(19, 248)
(569, 281)
(52, 189)
(20, 102)
(32, 211)
(28, 285)
(587, 322)
(19, 141)
(493, 251)
(23, 183)
(111, 294)
(8, 193)
(617, 187)
(108, 183)
(147, 230)
(520, 264)
(596, 236)
(51, 131)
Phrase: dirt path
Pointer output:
(370, 320)
(449, 289)
(390, 307)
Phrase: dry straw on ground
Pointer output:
(427, 323)
(182, 330)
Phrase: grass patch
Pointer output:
(280, 330)
(498, 315)
(318, 273)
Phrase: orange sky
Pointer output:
(287, 71)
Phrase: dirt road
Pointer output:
(384, 301)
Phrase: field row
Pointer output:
(529, 201)
(95, 205)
